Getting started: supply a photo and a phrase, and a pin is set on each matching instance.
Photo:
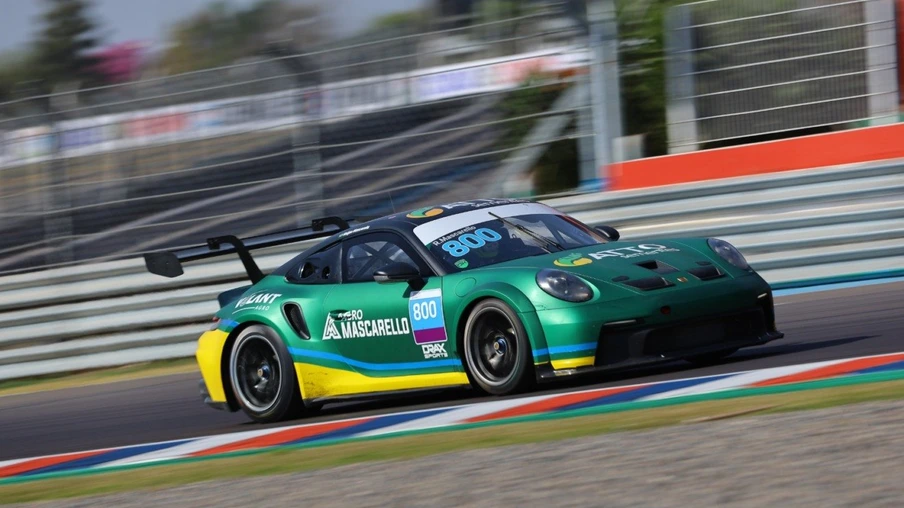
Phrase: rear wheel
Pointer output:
(497, 351)
(263, 377)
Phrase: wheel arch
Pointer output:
(231, 399)
(514, 298)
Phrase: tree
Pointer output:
(16, 75)
(62, 50)
(222, 34)
(413, 21)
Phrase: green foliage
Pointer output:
(642, 62)
(412, 21)
(62, 47)
(16, 75)
(557, 169)
(221, 33)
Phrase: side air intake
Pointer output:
(294, 316)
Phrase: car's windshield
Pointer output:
(502, 234)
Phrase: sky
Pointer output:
(149, 20)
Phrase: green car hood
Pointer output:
(629, 261)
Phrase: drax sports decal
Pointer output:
(425, 308)
(352, 325)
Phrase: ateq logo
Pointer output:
(572, 260)
(434, 351)
(422, 213)
(644, 249)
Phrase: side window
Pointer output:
(322, 267)
(366, 254)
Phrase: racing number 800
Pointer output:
(468, 241)
(423, 310)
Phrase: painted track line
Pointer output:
(446, 417)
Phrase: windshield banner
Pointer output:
(444, 226)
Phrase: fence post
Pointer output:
(605, 91)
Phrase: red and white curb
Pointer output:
(444, 417)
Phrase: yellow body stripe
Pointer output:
(573, 363)
(210, 349)
(317, 381)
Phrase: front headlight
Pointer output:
(728, 252)
(564, 286)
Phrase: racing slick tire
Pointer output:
(262, 376)
(496, 348)
(710, 358)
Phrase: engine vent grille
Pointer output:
(649, 283)
(706, 272)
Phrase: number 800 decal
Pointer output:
(464, 243)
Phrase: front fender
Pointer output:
(515, 299)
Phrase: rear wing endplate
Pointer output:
(169, 263)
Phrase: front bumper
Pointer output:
(657, 329)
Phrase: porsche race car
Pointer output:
(493, 294)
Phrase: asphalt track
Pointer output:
(823, 325)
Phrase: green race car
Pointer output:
(495, 294)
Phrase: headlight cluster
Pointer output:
(564, 285)
(728, 252)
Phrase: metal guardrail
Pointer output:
(791, 226)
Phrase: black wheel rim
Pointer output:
(257, 372)
(493, 347)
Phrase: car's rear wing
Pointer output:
(169, 263)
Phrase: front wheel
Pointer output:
(497, 351)
(263, 377)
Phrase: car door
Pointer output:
(390, 328)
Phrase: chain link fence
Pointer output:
(267, 143)
(743, 71)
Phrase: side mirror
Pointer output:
(609, 232)
(396, 272)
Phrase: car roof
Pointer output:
(403, 223)
(406, 221)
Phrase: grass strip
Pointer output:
(530, 429)
(98, 376)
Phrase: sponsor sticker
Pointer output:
(423, 213)
(425, 308)
(352, 325)
(462, 263)
(256, 301)
(572, 260)
(644, 249)
(353, 231)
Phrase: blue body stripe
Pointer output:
(426, 364)
(572, 348)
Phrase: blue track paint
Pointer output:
(110, 456)
(644, 391)
(883, 368)
(379, 422)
